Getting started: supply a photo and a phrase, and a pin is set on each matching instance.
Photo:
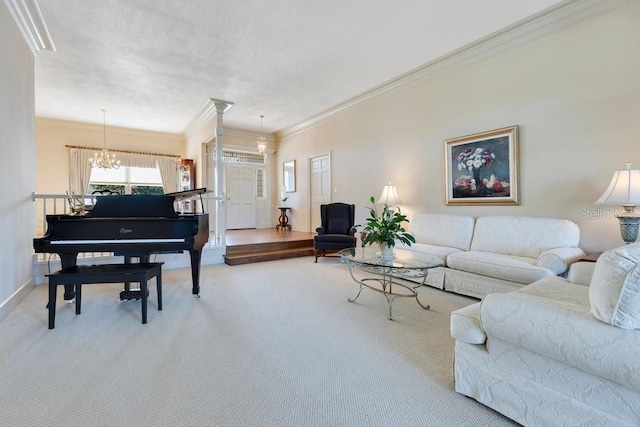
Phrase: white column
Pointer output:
(221, 219)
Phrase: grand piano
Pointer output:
(129, 226)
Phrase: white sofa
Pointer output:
(558, 351)
(493, 253)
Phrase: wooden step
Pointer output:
(269, 246)
(267, 255)
(284, 245)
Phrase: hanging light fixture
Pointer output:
(262, 141)
(104, 159)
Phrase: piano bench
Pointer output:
(106, 273)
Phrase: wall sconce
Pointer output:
(624, 190)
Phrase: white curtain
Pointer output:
(80, 170)
(138, 160)
(168, 173)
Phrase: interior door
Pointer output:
(241, 197)
(320, 169)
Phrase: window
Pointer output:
(126, 180)
(260, 183)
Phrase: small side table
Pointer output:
(591, 257)
(283, 221)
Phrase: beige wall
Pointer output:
(17, 171)
(575, 95)
(52, 157)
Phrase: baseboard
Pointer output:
(17, 296)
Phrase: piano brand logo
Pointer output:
(125, 230)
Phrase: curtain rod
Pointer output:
(124, 151)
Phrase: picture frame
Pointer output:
(289, 176)
(482, 169)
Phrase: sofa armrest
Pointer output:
(465, 325)
(558, 260)
(581, 272)
(320, 230)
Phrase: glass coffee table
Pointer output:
(386, 273)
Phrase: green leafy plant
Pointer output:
(386, 227)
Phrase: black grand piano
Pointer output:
(129, 226)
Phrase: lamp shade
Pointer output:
(624, 188)
(389, 196)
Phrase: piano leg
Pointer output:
(195, 271)
(69, 260)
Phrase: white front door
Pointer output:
(241, 197)
(320, 168)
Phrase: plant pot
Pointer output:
(386, 252)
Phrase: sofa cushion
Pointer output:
(440, 251)
(614, 291)
(453, 231)
(581, 272)
(552, 318)
(523, 236)
(511, 268)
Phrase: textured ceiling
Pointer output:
(154, 64)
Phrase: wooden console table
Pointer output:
(283, 221)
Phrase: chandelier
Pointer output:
(103, 159)
(262, 141)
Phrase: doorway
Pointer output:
(241, 196)
(320, 169)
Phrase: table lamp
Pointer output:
(624, 190)
(389, 196)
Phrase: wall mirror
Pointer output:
(289, 176)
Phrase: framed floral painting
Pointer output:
(482, 168)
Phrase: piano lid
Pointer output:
(179, 195)
(134, 205)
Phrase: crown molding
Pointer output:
(548, 21)
(28, 18)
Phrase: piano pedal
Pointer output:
(131, 294)
(70, 301)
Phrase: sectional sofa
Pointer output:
(558, 351)
(493, 253)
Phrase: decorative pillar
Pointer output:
(221, 218)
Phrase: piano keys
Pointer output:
(128, 225)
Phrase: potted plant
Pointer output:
(385, 229)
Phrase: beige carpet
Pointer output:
(268, 344)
